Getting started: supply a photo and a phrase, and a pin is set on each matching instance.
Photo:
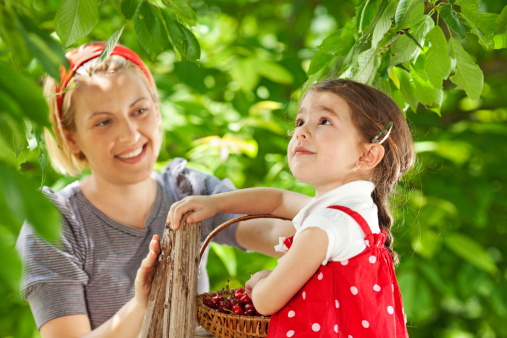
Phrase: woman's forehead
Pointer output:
(102, 91)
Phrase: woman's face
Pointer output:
(117, 127)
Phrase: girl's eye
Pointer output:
(324, 121)
(298, 123)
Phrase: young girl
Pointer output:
(90, 282)
(352, 144)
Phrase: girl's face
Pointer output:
(117, 127)
(325, 148)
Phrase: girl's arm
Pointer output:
(126, 322)
(251, 201)
(272, 291)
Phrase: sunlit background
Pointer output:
(230, 115)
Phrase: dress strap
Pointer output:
(356, 216)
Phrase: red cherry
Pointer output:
(240, 290)
(218, 299)
(238, 294)
(250, 312)
(245, 299)
(225, 306)
(209, 302)
(249, 306)
(237, 310)
(235, 301)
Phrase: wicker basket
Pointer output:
(224, 324)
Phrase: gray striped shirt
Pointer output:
(92, 270)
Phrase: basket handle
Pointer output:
(229, 222)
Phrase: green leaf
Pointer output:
(150, 29)
(75, 19)
(191, 50)
(414, 39)
(12, 132)
(425, 92)
(438, 62)
(275, 72)
(245, 72)
(368, 64)
(500, 41)
(108, 48)
(320, 60)
(501, 21)
(128, 8)
(407, 87)
(13, 39)
(452, 21)
(10, 270)
(182, 10)
(368, 14)
(404, 48)
(24, 201)
(484, 24)
(184, 41)
(25, 93)
(468, 76)
(471, 251)
(339, 42)
(48, 51)
(408, 13)
(383, 24)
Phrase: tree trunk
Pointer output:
(171, 306)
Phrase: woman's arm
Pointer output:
(270, 292)
(126, 322)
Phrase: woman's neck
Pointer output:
(129, 204)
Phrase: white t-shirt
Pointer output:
(346, 238)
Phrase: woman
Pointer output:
(90, 283)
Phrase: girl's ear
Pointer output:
(372, 155)
(71, 142)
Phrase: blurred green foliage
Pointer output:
(228, 111)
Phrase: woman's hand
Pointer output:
(256, 277)
(146, 272)
(203, 207)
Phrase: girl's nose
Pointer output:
(128, 133)
(301, 132)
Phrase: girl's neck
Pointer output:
(129, 204)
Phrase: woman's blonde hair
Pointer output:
(62, 158)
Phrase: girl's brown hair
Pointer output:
(371, 111)
(62, 158)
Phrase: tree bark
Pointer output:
(171, 307)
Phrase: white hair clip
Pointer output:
(384, 133)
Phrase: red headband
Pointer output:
(91, 52)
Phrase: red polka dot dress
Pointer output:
(354, 298)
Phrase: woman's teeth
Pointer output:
(132, 154)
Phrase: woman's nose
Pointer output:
(128, 132)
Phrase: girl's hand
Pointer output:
(203, 207)
(256, 277)
(146, 272)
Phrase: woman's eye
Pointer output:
(141, 111)
(103, 123)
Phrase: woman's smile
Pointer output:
(132, 156)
